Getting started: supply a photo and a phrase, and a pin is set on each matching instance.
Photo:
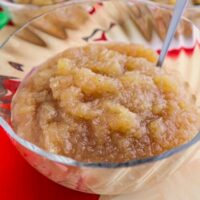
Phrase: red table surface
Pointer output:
(19, 181)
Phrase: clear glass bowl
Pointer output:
(21, 13)
(135, 21)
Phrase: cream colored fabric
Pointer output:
(5, 33)
(183, 185)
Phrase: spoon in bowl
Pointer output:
(178, 12)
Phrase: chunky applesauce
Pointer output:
(105, 102)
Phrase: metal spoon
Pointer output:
(178, 11)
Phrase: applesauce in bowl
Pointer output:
(105, 103)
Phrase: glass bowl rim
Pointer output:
(22, 5)
(69, 161)
(29, 5)
(170, 6)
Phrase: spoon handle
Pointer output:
(178, 11)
